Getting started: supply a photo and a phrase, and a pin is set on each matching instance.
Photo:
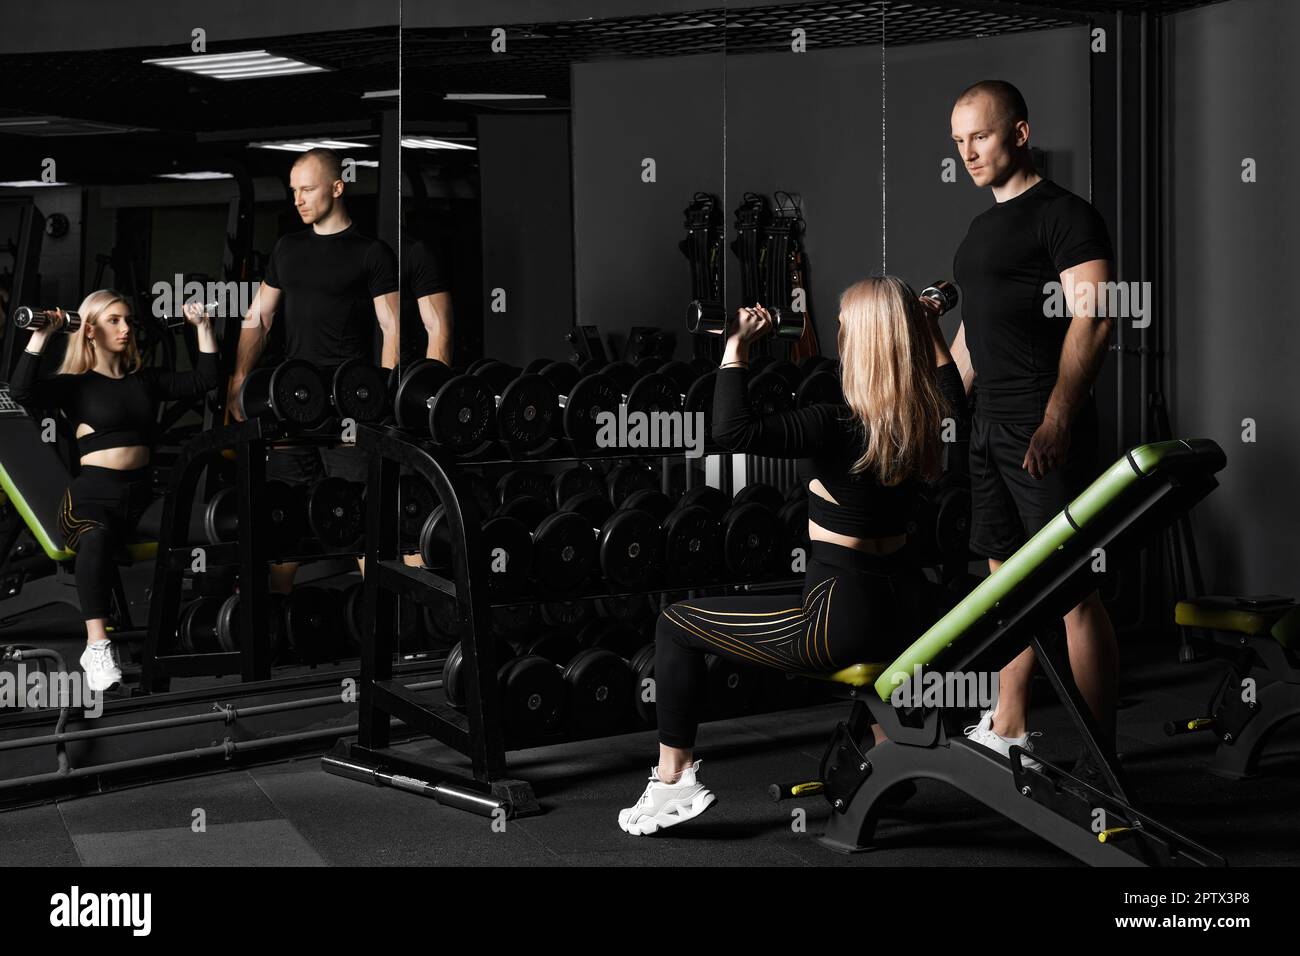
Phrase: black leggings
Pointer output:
(98, 514)
(856, 608)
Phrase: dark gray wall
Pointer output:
(527, 234)
(1234, 342)
(629, 269)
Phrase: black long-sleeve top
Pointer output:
(832, 440)
(122, 411)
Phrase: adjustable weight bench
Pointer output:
(1260, 638)
(1019, 606)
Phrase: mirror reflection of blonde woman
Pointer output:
(113, 404)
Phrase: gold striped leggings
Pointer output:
(855, 607)
(97, 516)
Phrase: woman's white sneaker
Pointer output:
(984, 734)
(99, 661)
(667, 804)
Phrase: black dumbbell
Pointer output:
(599, 682)
(293, 392)
(645, 393)
(733, 689)
(627, 478)
(583, 400)
(359, 391)
(196, 630)
(522, 482)
(415, 631)
(532, 693)
(336, 511)
(575, 481)
(415, 501)
(527, 407)
(507, 549)
(627, 541)
(455, 411)
(312, 619)
(752, 537)
(227, 626)
(282, 507)
(712, 318)
(690, 535)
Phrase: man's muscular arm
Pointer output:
(1081, 356)
(386, 311)
(961, 355)
(435, 314)
(253, 331)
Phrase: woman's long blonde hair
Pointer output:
(79, 356)
(888, 377)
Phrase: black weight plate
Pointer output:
(518, 482)
(532, 699)
(759, 493)
(751, 541)
(526, 416)
(622, 374)
(591, 633)
(952, 525)
(564, 552)
(619, 638)
(769, 394)
(759, 363)
(562, 376)
(298, 394)
(793, 516)
(558, 647)
(648, 364)
(530, 509)
(681, 375)
(815, 363)
(592, 506)
(627, 478)
(642, 665)
(435, 543)
(221, 517)
(196, 630)
(536, 365)
(512, 621)
(706, 496)
(360, 391)
(228, 625)
(415, 501)
(350, 627)
(797, 491)
(453, 677)
(336, 511)
(699, 400)
(566, 614)
(820, 388)
(575, 481)
(477, 364)
(591, 366)
(650, 500)
(255, 393)
(788, 371)
(286, 515)
(654, 393)
(496, 375)
(460, 419)
(600, 693)
(413, 399)
(591, 397)
(310, 618)
(629, 549)
(691, 544)
(703, 366)
(627, 608)
(677, 478)
(508, 548)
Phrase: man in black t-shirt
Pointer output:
(333, 286)
(426, 305)
(1034, 423)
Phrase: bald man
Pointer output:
(1034, 431)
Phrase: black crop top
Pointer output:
(122, 411)
(830, 438)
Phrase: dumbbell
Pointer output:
(226, 626)
(527, 407)
(312, 619)
(358, 390)
(943, 294)
(583, 399)
(293, 392)
(599, 684)
(415, 501)
(733, 689)
(575, 481)
(282, 507)
(25, 317)
(752, 536)
(336, 511)
(943, 517)
(689, 534)
(196, 630)
(627, 541)
(532, 693)
(711, 318)
(455, 411)
(414, 632)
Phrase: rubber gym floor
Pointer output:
(294, 814)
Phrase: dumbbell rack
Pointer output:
(252, 554)
(478, 732)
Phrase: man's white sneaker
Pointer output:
(99, 661)
(667, 804)
(984, 734)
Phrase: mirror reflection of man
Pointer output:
(1034, 428)
(334, 285)
(427, 327)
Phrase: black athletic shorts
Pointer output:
(305, 464)
(1008, 506)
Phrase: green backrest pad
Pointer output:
(1141, 463)
(34, 477)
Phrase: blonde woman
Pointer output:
(861, 597)
(113, 404)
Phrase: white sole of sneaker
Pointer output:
(675, 812)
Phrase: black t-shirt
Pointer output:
(329, 285)
(1009, 256)
(421, 275)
